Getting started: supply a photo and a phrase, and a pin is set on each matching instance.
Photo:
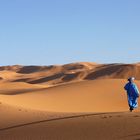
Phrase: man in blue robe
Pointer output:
(132, 93)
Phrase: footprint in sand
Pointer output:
(104, 117)
(119, 116)
(136, 116)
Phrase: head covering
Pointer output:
(131, 79)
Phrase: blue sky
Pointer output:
(44, 32)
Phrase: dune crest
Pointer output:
(74, 72)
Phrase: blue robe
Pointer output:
(132, 94)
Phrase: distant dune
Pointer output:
(77, 101)
(56, 75)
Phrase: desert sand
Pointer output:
(78, 101)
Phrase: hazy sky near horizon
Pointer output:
(44, 32)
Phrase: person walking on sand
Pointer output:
(132, 93)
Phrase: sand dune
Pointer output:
(74, 72)
(78, 101)
(118, 126)
(12, 88)
(16, 116)
(86, 96)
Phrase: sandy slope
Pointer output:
(117, 126)
(70, 102)
(25, 115)
(16, 115)
(87, 96)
